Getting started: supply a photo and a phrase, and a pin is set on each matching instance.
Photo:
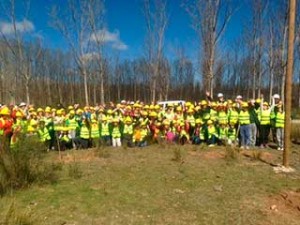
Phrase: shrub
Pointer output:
(23, 165)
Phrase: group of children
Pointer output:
(139, 125)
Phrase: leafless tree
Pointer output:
(209, 19)
(156, 21)
(78, 24)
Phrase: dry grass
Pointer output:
(144, 186)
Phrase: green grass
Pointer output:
(147, 186)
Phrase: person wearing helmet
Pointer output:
(244, 123)
(221, 98)
(264, 128)
(127, 132)
(105, 137)
(115, 132)
(212, 134)
(275, 102)
(279, 125)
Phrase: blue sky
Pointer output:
(126, 18)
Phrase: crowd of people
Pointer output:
(135, 124)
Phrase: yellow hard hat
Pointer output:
(5, 111)
(245, 104)
(70, 107)
(209, 122)
(47, 109)
(198, 121)
(19, 114)
(203, 102)
(128, 120)
(153, 114)
(40, 110)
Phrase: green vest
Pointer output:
(279, 120)
(213, 114)
(84, 132)
(191, 120)
(128, 129)
(231, 134)
(104, 130)
(223, 133)
(72, 124)
(95, 131)
(244, 118)
(264, 117)
(44, 134)
(116, 132)
(233, 116)
(222, 117)
(65, 138)
(212, 131)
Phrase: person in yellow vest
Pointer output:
(264, 128)
(19, 128)
(190, 119)
(115, 133)
(65, 139)
(95, 132)
(105, 137)
(223, 133)
(72, 124)
(128, 132)
(231, 134)
(83, 141)
(43, 134)
(212, 134)
(244, 123)
(279, 125)
(184, 136)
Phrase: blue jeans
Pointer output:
(245, 135)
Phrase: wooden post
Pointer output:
(288, 83)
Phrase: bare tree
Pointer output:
(156, 21)
(209, 19)
(78, 26)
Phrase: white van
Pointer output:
(164, 104)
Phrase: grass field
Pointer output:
(161, 185)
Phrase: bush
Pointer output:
(24, 164)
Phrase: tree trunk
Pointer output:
(86, 91)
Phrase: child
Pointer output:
(65, 139)
(223, 132)
(116, 133)
(128, 132)
(105, 137)
(95, 134)
(184, 137)
(231, 134)
(212, 134)
(279, 125)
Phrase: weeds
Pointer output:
(74, 171)
(256, 155)
(102, 152)
(15, 217)
(177, 154)
(232, 153)
(24, 165)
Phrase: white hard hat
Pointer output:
(220, 95)
(276, 96)
(239, 97)
(22, 104)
